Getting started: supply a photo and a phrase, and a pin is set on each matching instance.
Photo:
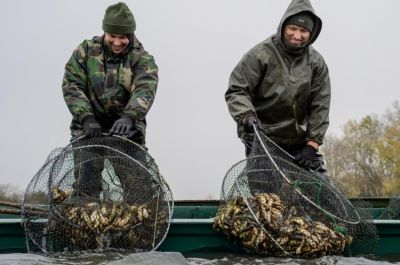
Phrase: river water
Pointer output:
(175, 258)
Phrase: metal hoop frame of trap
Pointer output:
(170, 207)
(298, 191)
(235, 185)
(112, 149)
(153, 172)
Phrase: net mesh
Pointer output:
(97, 193)
(392, 210)
(273, 207)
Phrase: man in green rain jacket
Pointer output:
(109, 86)
(282, 86)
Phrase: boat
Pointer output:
(191, 231)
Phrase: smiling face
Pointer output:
(117, 42)
(296, 35)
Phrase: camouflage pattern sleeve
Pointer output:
(74, 85)
(143, 88)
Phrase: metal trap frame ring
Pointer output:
(298, 191)
(153, 171)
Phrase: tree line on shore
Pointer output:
(365, 159)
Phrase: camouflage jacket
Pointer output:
(100, 84)
(290, 93)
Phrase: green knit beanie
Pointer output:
(303, 19)
(118, 19)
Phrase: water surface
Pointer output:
(176, 258)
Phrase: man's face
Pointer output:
(296, 35)
(116, 42)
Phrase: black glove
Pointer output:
(306, 156)
(122, 126)
(91, 127)
(248, 124)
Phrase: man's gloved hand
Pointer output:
(122, 126)
(248, 123)
(305, 157)
(91, 127)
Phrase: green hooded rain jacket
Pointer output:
(289, 91)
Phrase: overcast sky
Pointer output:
(196, 44)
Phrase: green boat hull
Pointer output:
(191, 232)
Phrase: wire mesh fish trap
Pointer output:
(273, 207)
(97, 193)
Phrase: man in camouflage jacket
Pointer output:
(282, 86)
(109, 86)
(110, 81)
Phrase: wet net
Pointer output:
(97, 193)
(273, 207)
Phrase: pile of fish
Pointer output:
(100, 218)
(264, 225)
(91, 225)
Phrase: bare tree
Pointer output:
(366, 159)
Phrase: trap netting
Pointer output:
(97, 193)
(273, 207)
(392, 210)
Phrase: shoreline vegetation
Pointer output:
(365, 160)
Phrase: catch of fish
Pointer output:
(264, 225)
(92, 225)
